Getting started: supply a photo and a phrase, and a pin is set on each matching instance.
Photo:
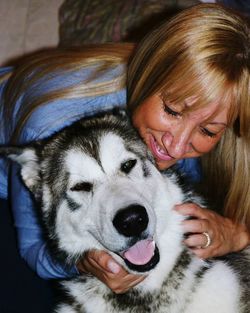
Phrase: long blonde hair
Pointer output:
(45, 65)
(204, 51)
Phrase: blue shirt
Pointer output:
(46, 120)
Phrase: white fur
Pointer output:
(113, 153)
(219, 291)
(81, 166)
(93, 221)
(30, 167)
(89, 225)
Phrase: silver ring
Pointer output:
(209, 241)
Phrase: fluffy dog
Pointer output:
(98, 188)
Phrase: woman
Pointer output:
(187, 94)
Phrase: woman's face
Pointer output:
(172, 135)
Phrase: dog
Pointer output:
(98, 188)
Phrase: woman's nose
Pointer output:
(176, 144)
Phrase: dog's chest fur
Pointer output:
(183, 291)
(178, 285)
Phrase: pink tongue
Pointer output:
(140, 253)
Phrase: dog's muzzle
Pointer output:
(132, 222)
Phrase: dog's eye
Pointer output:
(82, 186)
(127, 166)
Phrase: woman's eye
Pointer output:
(208, 133)
(171, 112)
(82, 186)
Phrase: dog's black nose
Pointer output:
(131, 221)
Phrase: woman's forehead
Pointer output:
(214, 110)
(213, 114)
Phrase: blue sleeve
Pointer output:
(191, 169)
(30, 237)
(5, 72)
(44, 122)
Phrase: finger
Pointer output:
(191, 209)
(205, 253)
(128, 282)
(104, 261)
(95, 262)
(195, 225)
(130, 285)
(196, 240)
(120, 283)
(98, 261)
(136, 281)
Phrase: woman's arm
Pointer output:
(32, 245)
(226, 235)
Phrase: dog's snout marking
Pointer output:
(131, 221)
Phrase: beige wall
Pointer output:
(27, 25)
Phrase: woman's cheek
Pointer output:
(205, 144)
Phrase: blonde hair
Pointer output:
(204, 51)
(45, 65)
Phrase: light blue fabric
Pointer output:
(45, 121)
(3, 138)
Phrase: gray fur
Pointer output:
(78, 181)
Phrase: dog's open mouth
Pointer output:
(142, 256)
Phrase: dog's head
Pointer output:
(99, 189)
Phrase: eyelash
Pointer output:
(206, 132)
(170, 111)
(173, 113)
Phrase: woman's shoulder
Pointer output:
(64, 96)
(60, 113)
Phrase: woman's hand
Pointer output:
(226, 236)
(104, 267)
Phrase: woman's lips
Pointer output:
(157, 151)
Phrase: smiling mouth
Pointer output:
(160, 153)
(142, 256)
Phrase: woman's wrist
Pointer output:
(242, 237)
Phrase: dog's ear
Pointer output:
(28, 159)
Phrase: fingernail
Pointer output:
(113, 267)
